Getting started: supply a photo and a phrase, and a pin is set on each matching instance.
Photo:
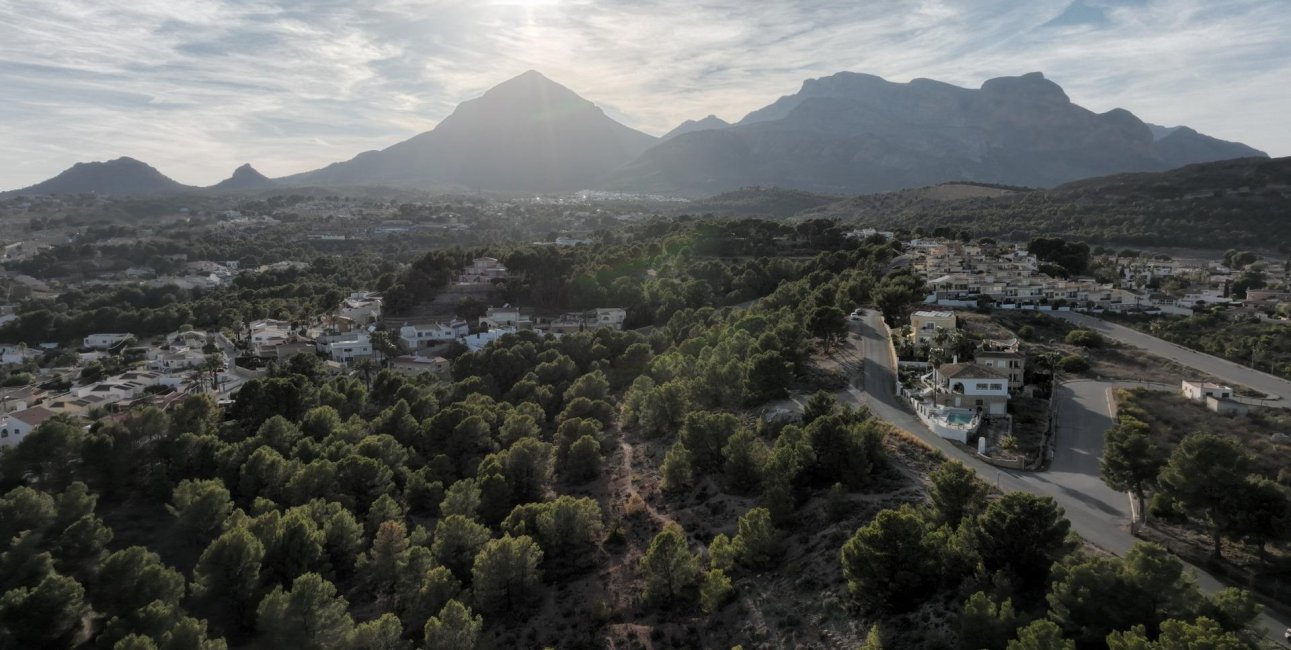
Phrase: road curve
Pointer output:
(1095, 511)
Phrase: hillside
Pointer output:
(1236, 203)
(767, 202)
(122, 177)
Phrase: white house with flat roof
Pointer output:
(924, 324)
(1198, 391)
(104, 341)
(424, 335)
(505, 316)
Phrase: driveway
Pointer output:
(1097, 513)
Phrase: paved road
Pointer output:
(1098, 514)
(1211, 365)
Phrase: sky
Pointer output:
(198, 87)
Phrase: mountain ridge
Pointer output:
(846, 133)
(853, 133)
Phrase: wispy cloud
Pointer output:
(197, 87)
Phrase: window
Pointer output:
(997, 386)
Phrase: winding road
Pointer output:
(1097, 513)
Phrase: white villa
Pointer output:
(16, 425)
(505, 316)
(483, 270)
(104, 341)
(418, 336)
(1198, 391)
(972, 386)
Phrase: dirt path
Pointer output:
(631, 489)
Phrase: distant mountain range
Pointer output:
(847, 133)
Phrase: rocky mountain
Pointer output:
(690, 126)
(857, 133)
(528, 134)
(244, 178)
(122, 177)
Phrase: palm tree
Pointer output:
(365, 366)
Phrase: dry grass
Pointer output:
(1172, 417)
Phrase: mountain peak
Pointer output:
(690, 126)
(120, 176)
(1031, 86)
(526, 134)
(245, 177)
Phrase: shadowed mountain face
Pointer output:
(121, 177)
(853, 133)
(244, 178)
(528, 134)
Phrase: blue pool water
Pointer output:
(959, 418)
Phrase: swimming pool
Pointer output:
(959, 418)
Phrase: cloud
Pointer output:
(197, 87)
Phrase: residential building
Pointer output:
(1198, 391)
(1226, 406)
(1011, 363)
(362, 308)
(971, 386)
(505, 316)
(348, 349)
(190, 339)
(1265, 298)
(288, 350)
(483, 270)
(477, 342)
(416, 365)
(924, 324)
(270, 332)
(424, 335)
(15, 426)
(20, 397)
(15, 354)
(105, 341)
(611, 317)
(174, 358)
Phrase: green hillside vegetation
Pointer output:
(604, 489)
(1237, 203)
(765, 202)
(1242, 338)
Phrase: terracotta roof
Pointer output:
(33, 416)
(999, 354)
(972, 370)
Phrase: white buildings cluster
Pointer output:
(963, 275)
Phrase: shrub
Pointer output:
(1084, 338)
(1073, 363)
